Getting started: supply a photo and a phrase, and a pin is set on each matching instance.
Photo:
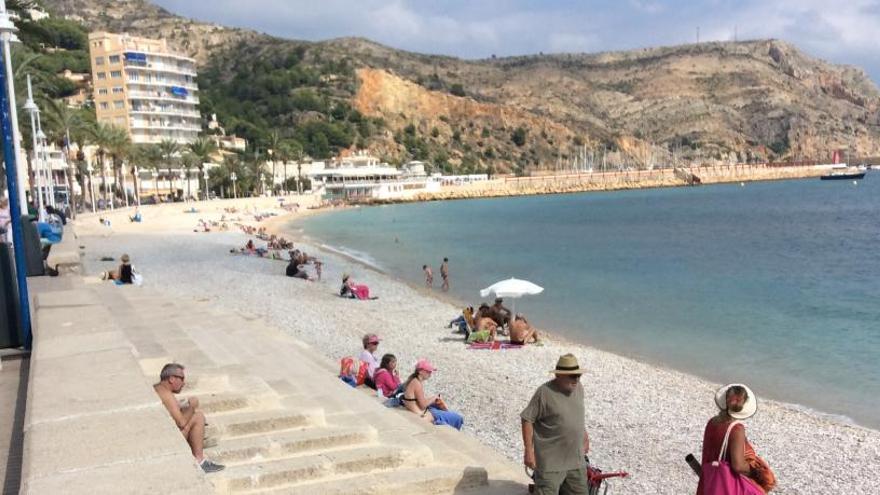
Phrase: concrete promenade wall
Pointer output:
(93, 424)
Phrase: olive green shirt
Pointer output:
(559, 427)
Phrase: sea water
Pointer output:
(774, 284)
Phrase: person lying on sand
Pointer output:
(521, 332)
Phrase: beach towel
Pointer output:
(494, 346)
(480, 336)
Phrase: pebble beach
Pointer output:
(642, 418)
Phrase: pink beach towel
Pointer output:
(494, 346)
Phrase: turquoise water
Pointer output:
(774, 284)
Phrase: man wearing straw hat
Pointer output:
(554, 433)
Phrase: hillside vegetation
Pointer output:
(729, 102)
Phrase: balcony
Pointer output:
(162, 96)
(190, 86)
(160, 67)
(174, 112)
(169, 126)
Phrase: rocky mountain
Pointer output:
(744, 101)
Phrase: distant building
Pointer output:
(141, 85)
(362, 177)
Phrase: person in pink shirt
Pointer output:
(386, 378)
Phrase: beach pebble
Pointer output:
(642, 419)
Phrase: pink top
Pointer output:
(386, 381)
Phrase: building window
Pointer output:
(116, 89)
(99, 60)
(119, 121)
(114, 59)
(132, 75)
(119, 104)
(102, 75)
(116, 74)
(104, 105)
(102, 91)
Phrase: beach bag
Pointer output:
(136, 277)
(362, 372)
(719, 478)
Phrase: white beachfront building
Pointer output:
(363, 177)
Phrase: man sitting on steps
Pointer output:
(185, 413)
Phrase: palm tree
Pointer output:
(274, 144)
(60, 118)
(103, 136)
(150, 157)
(119, 149)
(202, 149)
(188, 160)
(170, 152)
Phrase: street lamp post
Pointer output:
(7, 36)
(234, 190)
(31, 108)
(155, 175)
(205, 175)
(91, 169)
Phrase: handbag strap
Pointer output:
(726, 438)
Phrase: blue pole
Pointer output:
(9, 159)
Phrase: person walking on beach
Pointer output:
(444, 274)
(724, 439)
(554, 432)
(185, 413)
(429, 276)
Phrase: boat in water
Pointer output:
(845, 174)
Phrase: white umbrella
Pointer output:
(512, 287)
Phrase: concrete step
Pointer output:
(222, 402)
(296, 470)
(428, 480)
(289, 443)
(254, 422)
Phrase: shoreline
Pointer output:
(278, 228)
(642, 418)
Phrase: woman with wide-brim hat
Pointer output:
(724, 441)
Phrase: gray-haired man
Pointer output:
(185, 413)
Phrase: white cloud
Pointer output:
(838, 31)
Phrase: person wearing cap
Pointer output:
(433, 410)
(368, 355)
(735, 402)
(554, 432)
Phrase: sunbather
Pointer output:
(386, 378)
(122, 275)
(433, 410)
(521, 332)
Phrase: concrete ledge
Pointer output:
(93, 423)
(64, 257)
(173, 474)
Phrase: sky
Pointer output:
(841, 32)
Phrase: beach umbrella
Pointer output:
(513, 288)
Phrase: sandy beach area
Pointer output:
(642, 419)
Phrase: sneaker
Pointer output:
(211, 467)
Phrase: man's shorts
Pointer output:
(572, 482)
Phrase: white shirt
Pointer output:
(370, 359)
